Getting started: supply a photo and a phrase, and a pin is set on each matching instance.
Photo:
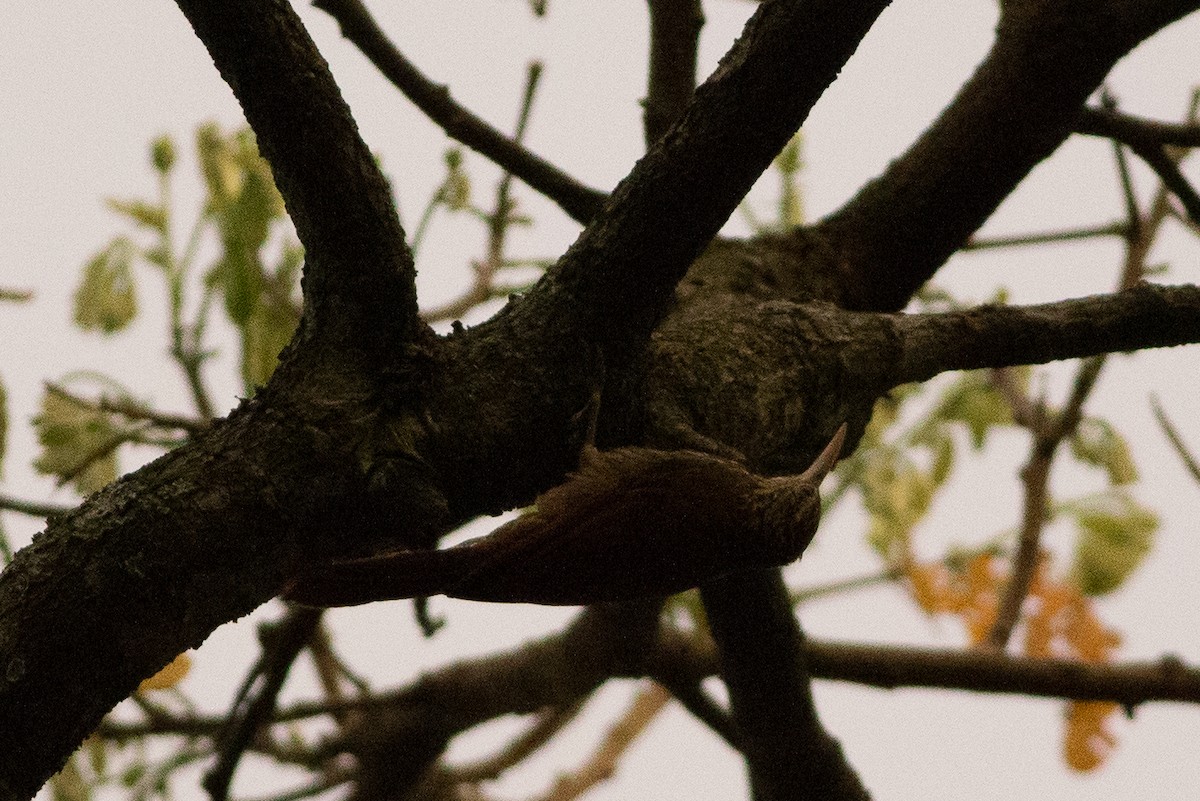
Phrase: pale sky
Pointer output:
(86, 85)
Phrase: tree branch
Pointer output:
(359, 27)
(762, 660)
(359, 277)
(147, 568)
(1019, 106)
(32, 508)
(891, 667)
(674, 37)
(251, 712)
(1133, 130)
(610, 289)
(1145, 316)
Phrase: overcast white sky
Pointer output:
(85, 86)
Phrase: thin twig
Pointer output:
(689, 692)
(1136, 130)
(674, 37)
(601, 765)
(247, 716)
(1168, 172)
(546, 725)
(1046, 237)
(482, 286)
(129, 409)
(579, 201)
(816, 592)
(1176, 441)
(32, 508)
(1048, 433)
(1035, 477)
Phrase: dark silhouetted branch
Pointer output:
(1011, 114)
(763, 663)
(253, 710)
(356, 259)
(579, 201)
(1133, 130)
(1145, 316)
(674, 37)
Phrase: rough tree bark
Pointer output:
(375, 432)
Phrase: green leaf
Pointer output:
(266, 332)
(897, 494)
(149, 215)
(97, 749)
(244, 220)
(1096, 442)
(943, 459)
(133, 774)
(106, 301)
(456, 191)
(69, 785)
(162, 154)
(1115, 534)
(973, 401)
(76, 443)
(220, 170)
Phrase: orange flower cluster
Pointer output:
(1060, 622)
(972, 592)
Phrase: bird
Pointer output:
(630, 523)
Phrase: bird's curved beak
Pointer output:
(828, 458)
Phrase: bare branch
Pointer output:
(612, 286)
(1172, 178)
(1009, 116)
(356, 260)
(549, 722)
(1046, 237)
(251, 712)
(1176, 441)
(500, 220)
(32, 508)
(130, 409)
(985, 671)
(1133, 130)
(1145, 316)
(601, 765)
(579, 201)
(674, 37)
(762, 657)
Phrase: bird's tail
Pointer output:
(401, 574)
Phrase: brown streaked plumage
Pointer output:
(630, 523)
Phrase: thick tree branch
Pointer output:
(610, 289)
(579, 201)
(762, 657)
(148, 567)
(359, 276)
(1021, 104)
(1146, 316)
(674, 37)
